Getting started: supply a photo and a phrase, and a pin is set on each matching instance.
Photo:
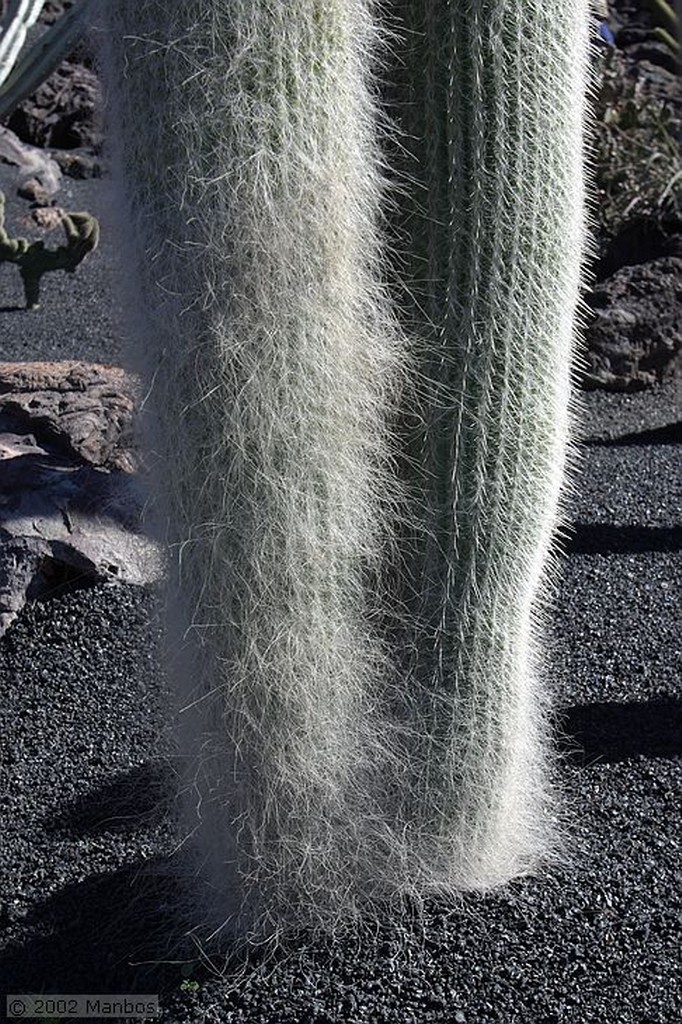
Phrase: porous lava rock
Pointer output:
(634, 339)
(65, 112)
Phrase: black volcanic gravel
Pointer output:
(78, 317)
(85, 830)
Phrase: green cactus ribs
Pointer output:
(34, 260)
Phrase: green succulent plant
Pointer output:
(633, 129)
(34, 260)
(190, 986)
(664, 12)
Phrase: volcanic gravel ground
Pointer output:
(84, 816)
(78, 317)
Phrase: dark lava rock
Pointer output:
(53, 9)
(640, 240)
(635, 338)
(83, 52)
(65, 112)
(656, 54)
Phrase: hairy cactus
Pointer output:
(251, 174)
(492, 108)
(356, 723)
(34, 260)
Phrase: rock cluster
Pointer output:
(70, 500)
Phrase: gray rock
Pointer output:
(70, 501)
(82, 410)
(33, 164)
(33, 190)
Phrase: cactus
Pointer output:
(17, 81)
(251, 178)
(356, 723)
(17, 19)
(34, 260)
(664, 36)
(661, 10)
(669, 31)
(493, 107)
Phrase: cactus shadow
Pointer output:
(122, 932)
(609, 732)
(671, 433)
(604, 539)
(138, 798)
(107, 934)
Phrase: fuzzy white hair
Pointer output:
(356, 722)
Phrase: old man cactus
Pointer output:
(361, 441)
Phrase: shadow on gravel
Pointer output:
(607, 733)
(670, 434)
(95, 936)
(603, 539)
(139, 797)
